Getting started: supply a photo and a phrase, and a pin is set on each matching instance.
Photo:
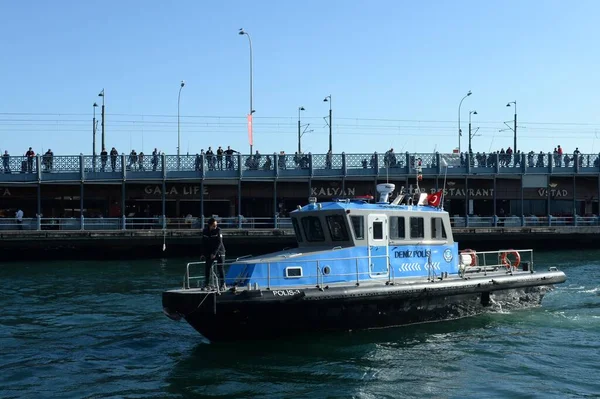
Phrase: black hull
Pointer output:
(268, 314)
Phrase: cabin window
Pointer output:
(358, 225)
(297, 229)
(397, 228)
(378, 230)
(417, 227)
(293, 271)
(313, 229)
(437, 229)
(337, 228)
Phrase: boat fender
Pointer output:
(465, 254)
(505, 260)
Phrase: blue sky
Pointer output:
(396, 71)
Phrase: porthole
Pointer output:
(326, 270)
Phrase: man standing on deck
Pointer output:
(214, 252)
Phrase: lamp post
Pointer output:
(299, 133)
(101, 94)
(250, 127)
(94, 136)
(459, 130)
(178, 124)
(470, 135)
(514, 125)
(328, 99)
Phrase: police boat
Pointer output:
(359, 265)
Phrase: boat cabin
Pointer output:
(349, 240)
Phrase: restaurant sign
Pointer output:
(174, 191)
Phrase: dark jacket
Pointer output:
(212, 242)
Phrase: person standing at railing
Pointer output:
(141, 161)
(154, 160)
(133, 159)
(48, 160)
(229, 157)
(6, 162)
(220, 157)
(214, 253)
(113, 158)
(103, 159)
(30, 154)
(281, 160)
(210, 155)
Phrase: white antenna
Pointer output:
(445, 165)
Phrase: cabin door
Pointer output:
(378, 246)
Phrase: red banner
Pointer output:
(250, 141)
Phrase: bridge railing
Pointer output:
(334, 164)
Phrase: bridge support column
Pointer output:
(39, 206)
(466, 202)
(522, 203)
(494, 204)
(575, 195)
(239, 212)
(275, 209)
(164, 204)
(202, 203)
(81, 227)
(123, 214)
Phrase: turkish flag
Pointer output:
(250, 136)
(434, 199)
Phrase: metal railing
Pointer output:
(504, 259)
(267, 223)
(141, 223)
(362, 269)
(375, 162)
(523, 221)
(485, 261)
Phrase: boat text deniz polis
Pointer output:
(359, 265)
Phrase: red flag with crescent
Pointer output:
(434, 199)
(250, 138)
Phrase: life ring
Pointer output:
(473, 255)
(505, 260)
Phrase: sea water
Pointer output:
(84, 329)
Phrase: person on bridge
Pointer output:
(214, 252)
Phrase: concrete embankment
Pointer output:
(29, 245)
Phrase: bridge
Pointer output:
(70, 168)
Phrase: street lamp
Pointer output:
(178, 124)
(471, 135)
(250, 127)
(94, 136)
(515, 125)
(299, 134)
(328, 99)
(101, 94)
(459, 130)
